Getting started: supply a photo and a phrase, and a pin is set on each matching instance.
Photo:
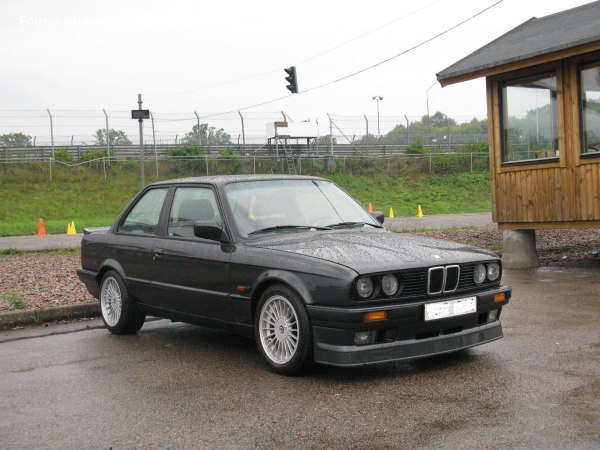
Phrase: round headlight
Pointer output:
(479, 274)
(493, 271)
(364, 287)
(389, 284)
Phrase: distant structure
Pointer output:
(543, 99)
(286, 138)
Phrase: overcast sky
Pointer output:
(186, 56)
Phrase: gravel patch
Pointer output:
(41, 280)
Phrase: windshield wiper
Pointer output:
(288, 227)
(351, 224)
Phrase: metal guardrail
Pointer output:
(86, 152)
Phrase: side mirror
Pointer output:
(378, 216)
(211, 230)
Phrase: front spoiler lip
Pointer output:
(348, 356)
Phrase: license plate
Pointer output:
(451, 308)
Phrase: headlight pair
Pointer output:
(365, 286)
(489, 271)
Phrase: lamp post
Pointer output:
(377, 98)
(427, 95)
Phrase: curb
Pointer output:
(38, 316)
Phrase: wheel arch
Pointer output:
(273, 277)
(110, 264)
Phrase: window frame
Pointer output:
(580, 66)
(134, 203)
(516, 78)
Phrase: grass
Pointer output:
(14, 300)
(437, 194)
(83, 196)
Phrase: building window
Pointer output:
(589, 79)
(529, 119)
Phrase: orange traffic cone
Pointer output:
(370, 208)
(41, 228)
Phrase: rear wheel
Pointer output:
(283, 331)
(119, 313)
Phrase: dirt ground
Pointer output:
(45, 279)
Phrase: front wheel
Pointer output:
(119, 313)
(283, 331)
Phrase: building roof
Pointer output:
(536, 37)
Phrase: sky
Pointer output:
(78, 57)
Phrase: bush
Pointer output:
(63, 155)
(187, 159)
(416, 148)
(233, 161)
(481, 147)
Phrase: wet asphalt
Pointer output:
(183, 386)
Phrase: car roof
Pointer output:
(225, 179)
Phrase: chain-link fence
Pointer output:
(175, 167)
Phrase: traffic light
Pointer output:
(291, 79)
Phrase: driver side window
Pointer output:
(143, 217)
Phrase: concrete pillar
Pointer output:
(518, 250)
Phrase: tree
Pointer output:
(15, 140)
(208, 135)
(438, 120)
(115, 137)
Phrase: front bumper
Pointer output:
(404, 334)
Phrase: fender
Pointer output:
(282, 276)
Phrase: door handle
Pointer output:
(157, 253)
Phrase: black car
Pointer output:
(296, 263)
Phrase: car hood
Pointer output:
(369, 251)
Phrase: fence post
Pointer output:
(243, 132)
(206, 158)
(104, 167)
(367, 135)
(107, 134)
(51, 133)
(430, 163)
(471, 162)
(154, 143)
(254, 164)
(300, 164)
(198, 123)
(50, 164)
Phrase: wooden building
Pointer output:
(543, 95)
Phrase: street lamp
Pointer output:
(377, 98)
(427, 95)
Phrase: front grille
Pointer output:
(435, 280)
(430, 281)
(442, 279)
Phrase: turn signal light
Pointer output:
(375, 315)
(500, 297)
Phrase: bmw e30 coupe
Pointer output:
(296, 263)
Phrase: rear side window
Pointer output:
(143, 217)
(192, 204)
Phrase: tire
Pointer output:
(283, 332)
(119, 313)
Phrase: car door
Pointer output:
(134, 240)
(190, 274)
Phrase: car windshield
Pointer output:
(284, 206)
